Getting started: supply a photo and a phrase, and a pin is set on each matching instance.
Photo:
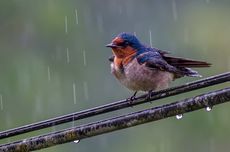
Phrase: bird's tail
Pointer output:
(184, 66)
(187, 72)
(184, 62)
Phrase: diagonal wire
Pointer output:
(116, 123)
(213, 80)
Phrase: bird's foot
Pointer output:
(149, 96)
(132, 98)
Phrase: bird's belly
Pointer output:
(140, 78)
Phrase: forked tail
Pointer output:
(184, 62)
(184, 65)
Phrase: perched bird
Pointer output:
(143, 68)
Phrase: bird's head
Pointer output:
(124, 44)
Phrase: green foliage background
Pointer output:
(34, 40)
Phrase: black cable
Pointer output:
(213, 80)
(116, 123)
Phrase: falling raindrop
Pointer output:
(208, 108)
(73, 121)
(76, 141)
(174, 10)
(66, 25)
(86, 91)
(179, 116)
(228, 62)
(150, 38)
(135, 33)
(1, 102)
(53, 127)
(212, 145)
(48, 73)
(76, 15)
(100, 22)
(120, 10)
(67, 55)
(186, 35)
(84, 58)
(74, 94)
(8, 140)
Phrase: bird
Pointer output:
(143, 68)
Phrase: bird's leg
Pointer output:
(133, 97)
(149, 95)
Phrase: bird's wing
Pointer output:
(163, 52)
(154, 60)
(179, 61)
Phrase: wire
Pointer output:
(213, 80)
(116, 123)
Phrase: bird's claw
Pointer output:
(149, 96)
(132, 98)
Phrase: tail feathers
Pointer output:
(187, 72)
(184, 65)
(184, 62)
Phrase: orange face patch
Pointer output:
(123, 55)
(123, 52)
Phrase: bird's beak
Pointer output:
(111, 45)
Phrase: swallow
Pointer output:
(142, 68)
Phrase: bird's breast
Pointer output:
(138, 77)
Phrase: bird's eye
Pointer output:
(126, 43)
(123, 44)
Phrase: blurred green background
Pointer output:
(48, 48)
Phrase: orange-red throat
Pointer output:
(123, 52)
(123, 55)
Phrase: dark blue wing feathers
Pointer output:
(154, 59)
